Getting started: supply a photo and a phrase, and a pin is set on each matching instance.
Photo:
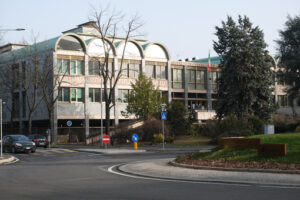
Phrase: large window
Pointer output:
(66, 66)
(77, 94)
(156, 71)
(122, 96)
(64, 94)
(150, 71)
(94, 68)
(283, 100)
(94, 95)
(76, 67)
(177, 78)
(196, 79)
(134, 70)
(214, 77)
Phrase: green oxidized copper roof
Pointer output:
(88, 41)
(117, 44)
(25, 51)
(145, 45)
(213, 60)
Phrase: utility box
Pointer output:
(269, 129)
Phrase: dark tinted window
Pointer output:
(19, 138)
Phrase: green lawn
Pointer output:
(293, 150)
(190, 141)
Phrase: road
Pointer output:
(79, 175)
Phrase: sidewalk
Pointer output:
(6, 159)
(161, 169)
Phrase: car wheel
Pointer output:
(32, 151)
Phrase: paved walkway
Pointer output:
(160, 169)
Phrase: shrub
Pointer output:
(157, 138)
(256, 125)
(285, 123)
(297, 130)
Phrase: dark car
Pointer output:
(18, 143)
(39, 140)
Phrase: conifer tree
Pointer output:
(143, 100)
(245, 84)
(289, 49)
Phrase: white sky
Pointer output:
(186, 27)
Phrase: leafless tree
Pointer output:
(109, 24)
(49, 82)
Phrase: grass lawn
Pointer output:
(190, 141)
(293, 150)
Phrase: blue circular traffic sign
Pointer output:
(135, 138)
(69, 123)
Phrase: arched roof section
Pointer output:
(96, 47)
(70, 42)
(156, 50)
(133, 49)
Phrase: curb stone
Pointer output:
(175, 164)
(9, 160)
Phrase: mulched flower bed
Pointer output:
(235, 164)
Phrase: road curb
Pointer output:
(112, 152)
(9, 160)
(175, 164)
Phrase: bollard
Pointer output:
(135, 146)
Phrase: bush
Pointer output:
(256, 125)
(231, 126)
(145, 132)
(157, 138)
(297, 130)
(285, 123)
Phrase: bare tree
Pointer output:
(108, 24)
(50, 82)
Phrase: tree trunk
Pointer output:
(51, 125)
(30, 122)
(107, 118)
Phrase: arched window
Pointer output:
(69, 43)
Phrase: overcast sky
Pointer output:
(186, 27)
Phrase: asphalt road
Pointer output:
(77, 175)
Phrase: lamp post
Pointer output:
(16, 29)
(276, 61)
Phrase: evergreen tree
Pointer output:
(289, 49)
(143, 100)
(244, 87)
(177, 118)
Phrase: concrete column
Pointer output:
(116, 108)
(185, 86)
(55, 93)
(86, 96)
(208, 88)
(169, 71)
(143, 66)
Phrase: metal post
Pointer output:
(1, 128)
(163, 129)
(101, 113)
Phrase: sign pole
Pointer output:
(163, 130)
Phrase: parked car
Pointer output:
(18, 143)
(39, 140)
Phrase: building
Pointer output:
(73, 56)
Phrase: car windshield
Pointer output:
(19, 138)
(40, 137)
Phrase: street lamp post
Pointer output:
(16, 29)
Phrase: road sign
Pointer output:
(106, 139)
(163, 116)
(135, 138)
(69, 123)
